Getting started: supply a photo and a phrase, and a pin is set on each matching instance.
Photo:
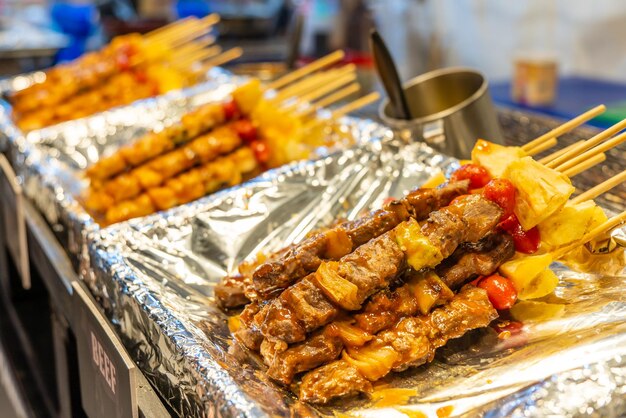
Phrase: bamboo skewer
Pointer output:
(601, 188)
(224, 57)
(173, 31)
(307, 69)
(597, 231)
(197, 56)
(193, 47)
(166, 28)
(331, 98)
(323, 90)
(592, 152)
(560, 152)
(542, 147)
(585, 165)
(355, 105)
(590, 143)
(178, 32)
(566, 127)
(344, 110)
(201, 30)
(312, 83)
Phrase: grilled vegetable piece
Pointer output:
(541, 191)
(495, 158)
(531, 275)
(571, 223)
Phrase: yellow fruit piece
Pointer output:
(521, 271)
(419, 251)
(525, 311)
(435, 180)
(570, 224)
(541, 191)
(495, 158)
(248, 96)
(540, 286)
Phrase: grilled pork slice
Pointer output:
(419, 294)
(411, 342)
(272, 277)
(345, 285)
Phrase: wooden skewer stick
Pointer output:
(603, 187)
(355, 105)
(169, 28)
(331, 98)
(193, 46)
(566, 127)
(344, 110)
(177, 31)
(307, 69)
(201, 30)
(542, 147)
(197, 56)
(323, 90)
(223, 58)
(590, 143)
(560, 152)
(585, 165)
(613, 142)
(338, 95)
(313, 83)
(604, 228)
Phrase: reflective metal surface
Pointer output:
(50, 160)
(155, 278)
(450, 109)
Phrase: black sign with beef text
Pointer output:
(107, 373)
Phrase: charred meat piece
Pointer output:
(369, 269)
(476, 260)
(270, 278)
(237, 290)
(411, 342)
(419, 294)
(314, 352)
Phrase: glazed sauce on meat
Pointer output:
(390, 397)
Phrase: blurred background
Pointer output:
(577, 47)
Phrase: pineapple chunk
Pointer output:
(541, 191)
(536, 311)
(248, 96)
(524, 269)
(495, 158)
(571, 223)
(531, 276)
(435, 180)
(540, 286)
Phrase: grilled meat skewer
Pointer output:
(411, 342)
(310, 304)
(308, 255)
(419, 293)
(271, 278)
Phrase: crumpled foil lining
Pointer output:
(155, 276)
(50, 161)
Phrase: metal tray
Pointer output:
(155, 276)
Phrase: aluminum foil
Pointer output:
(50, 161)
(155, 279)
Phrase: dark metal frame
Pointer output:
(52, 274)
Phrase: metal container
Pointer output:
(451, 108)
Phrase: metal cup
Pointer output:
(451, 109)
